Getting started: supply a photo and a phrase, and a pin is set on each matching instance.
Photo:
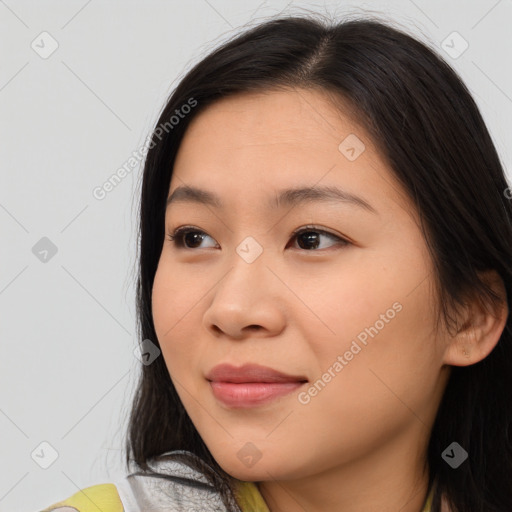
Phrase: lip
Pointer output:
(251, 385)
(250, 373)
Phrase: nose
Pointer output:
(247, 302)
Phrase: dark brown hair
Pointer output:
(429, 130)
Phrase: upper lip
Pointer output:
(250, 373)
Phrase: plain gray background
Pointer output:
(68, 122)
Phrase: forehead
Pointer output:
(276, 116)
(275, 130)
(253, 142)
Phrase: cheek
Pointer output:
(173, 318)
(172, 298)
(163, 302)
(172, 310)
(379, 320)
(364, 392)
(385, 367)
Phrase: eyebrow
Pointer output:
(286, 197)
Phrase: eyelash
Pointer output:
(177, 236)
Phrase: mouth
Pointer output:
(251, 385)
(251, 394)
(250, 373)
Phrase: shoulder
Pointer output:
(103, 497)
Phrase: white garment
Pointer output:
(175, 488)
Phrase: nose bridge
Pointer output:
(242, 297)
(248, 268)
(250, 250)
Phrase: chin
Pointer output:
(258, 469)
(261, 473)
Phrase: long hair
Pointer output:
(429, 130)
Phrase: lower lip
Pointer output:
(251, 394)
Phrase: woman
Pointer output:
(325, 260)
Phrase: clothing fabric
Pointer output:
(175, 487)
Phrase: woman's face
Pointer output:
(345, 305)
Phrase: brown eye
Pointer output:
(310, 238)
(187, 238)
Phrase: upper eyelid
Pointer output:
(294, 232)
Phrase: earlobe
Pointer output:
(482, 326)
(464, 349)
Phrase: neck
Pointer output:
(390, 478)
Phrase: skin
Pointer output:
(360, 443)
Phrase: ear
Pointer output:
(481, 327)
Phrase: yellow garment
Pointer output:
(105, 497)
(102, 497)
(428, 503)
(249, 497)
(251, 500)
